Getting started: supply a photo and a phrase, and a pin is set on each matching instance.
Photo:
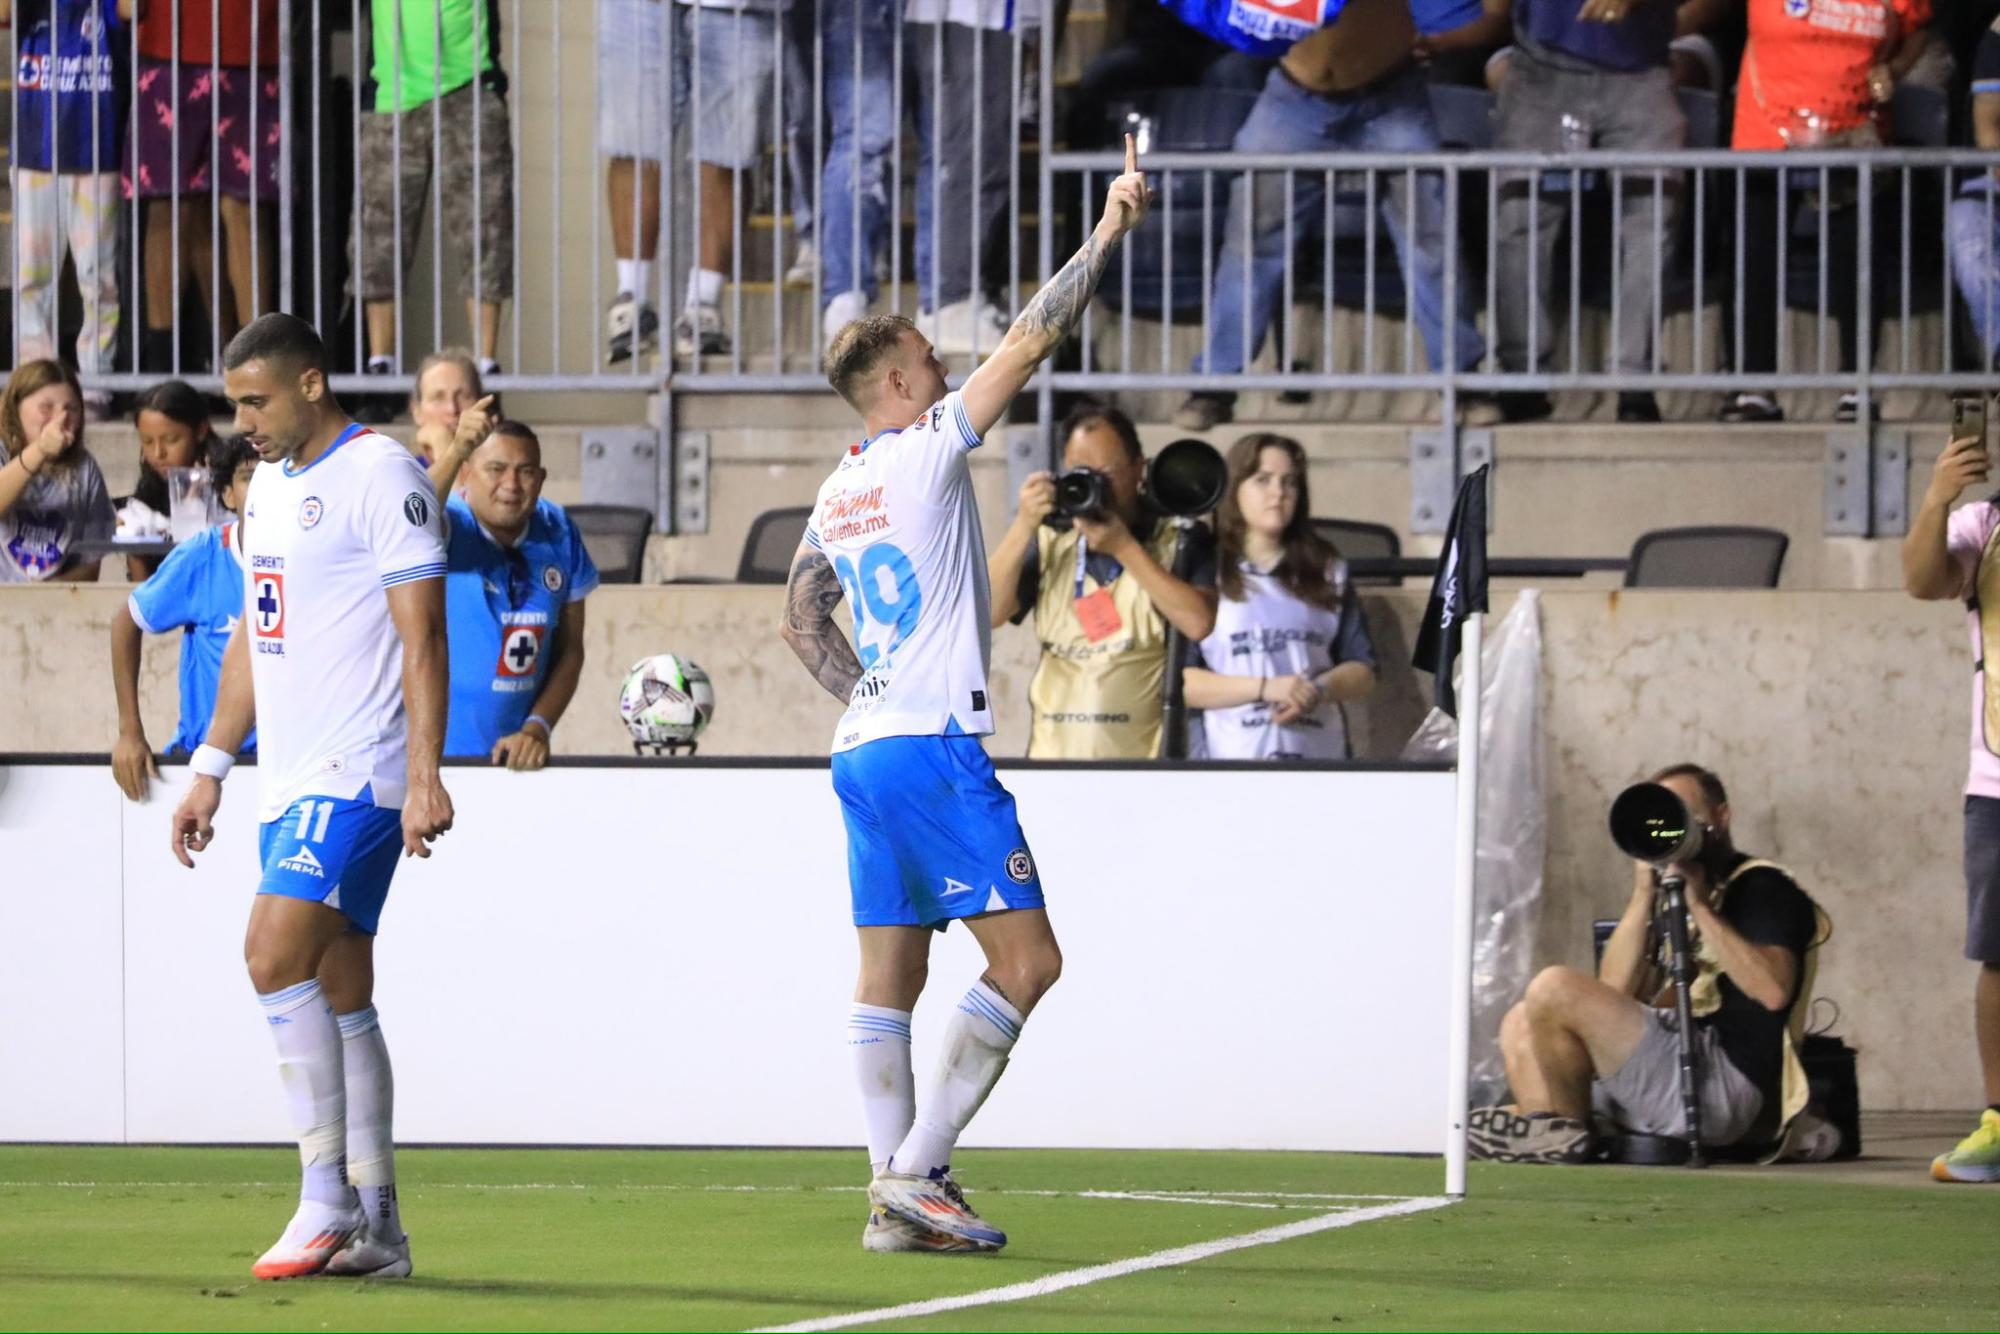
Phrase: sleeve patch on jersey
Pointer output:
(417, 509)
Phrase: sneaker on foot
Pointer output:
(371, 1257)
(963, 328)
(315, 1235)
(1505, 1135)
(886, 1232)
(1977, 1157)
(699, 332)
(1203, 412)
(1849, 408)
(842, 311)
(1752, 408)
(936, 1203)
(378, 409)
(805, 265)
(631, 328)
(1478, 408)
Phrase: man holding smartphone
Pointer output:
(1956, 555)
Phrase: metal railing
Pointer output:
(1333, 271)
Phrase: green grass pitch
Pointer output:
(125, 1238)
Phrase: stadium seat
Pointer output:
(615, 537)
(1707, 557)
(773, 541)
(1357, 539)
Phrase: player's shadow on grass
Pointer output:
(305, 1288)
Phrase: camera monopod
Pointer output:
(1185, 480)
(1651, 824)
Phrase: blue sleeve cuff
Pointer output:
(969, 436)
(414, 574)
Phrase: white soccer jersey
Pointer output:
(1269, 632)
(899, 523)
(322, 545)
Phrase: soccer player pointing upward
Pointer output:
(932, 837)
(339, 661)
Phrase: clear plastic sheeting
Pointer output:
(1513, 828)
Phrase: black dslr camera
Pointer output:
(1081, 493)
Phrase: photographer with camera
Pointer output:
(1090, 557)
(1950, 555)
(1610, 1045)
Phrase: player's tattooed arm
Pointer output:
(810, 597)
(1056, 309)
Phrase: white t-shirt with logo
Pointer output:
(900, 525)
(322, 546)
(1269, 632)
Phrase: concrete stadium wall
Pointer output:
(1837, 719)
(660, 954)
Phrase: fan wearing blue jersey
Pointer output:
(197, 590)
(514, 597)
(340, 662)
(932, 836)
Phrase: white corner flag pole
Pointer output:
(1458, 1083)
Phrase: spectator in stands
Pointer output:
(436, 71)
(1585, 79)
(1949, 555)
(52, 494)
(1692, 58)
(1151, 49)
(1607, 1046)
(1290, 644)
(1351, 85)
(1975, 214)
(961, 52)
(448, 383)
(66, 173)
(1816, 74)
(174, 432)
(1102, 594)
(518, 575)
(207, 120)
(725, 56)
(198, 590)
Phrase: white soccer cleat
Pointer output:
(840, 312)
(885, 1232)
(316, 1234)
(935, 1203)
(371, 1257)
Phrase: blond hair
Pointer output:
(859, 349)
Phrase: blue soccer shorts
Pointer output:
(333, 850)
(931, 834)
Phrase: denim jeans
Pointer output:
(1973, 230)
(1392, 117)
(939, 89)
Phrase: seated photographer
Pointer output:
(1608, 1045)
(1290, 643)
(1097, 579)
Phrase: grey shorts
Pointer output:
(1982, 879)
(488, 210)
(728, 78)
(1644, 1094)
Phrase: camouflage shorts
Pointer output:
(489, 273)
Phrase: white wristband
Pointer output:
(211, 762)
(547, 727)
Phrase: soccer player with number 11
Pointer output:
(932, 837)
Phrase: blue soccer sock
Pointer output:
(976, 1044)
(878, 1038)
(309, 1064)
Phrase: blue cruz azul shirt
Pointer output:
(86, 116)
(1271, 27)
(197, 590)
(501, 608)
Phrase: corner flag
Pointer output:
(1458, 590)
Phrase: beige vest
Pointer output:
(1705, 996)
(1096, 701)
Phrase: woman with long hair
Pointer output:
(1290, 645)
(52, 495)
(174, 432)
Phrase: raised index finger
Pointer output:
(1131, 154)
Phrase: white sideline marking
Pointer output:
(1239, 1199)
(1077, 1278)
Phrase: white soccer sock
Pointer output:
(371, 1102)
(308, 1039)
(879, 1039)
(704, 288)
(635, 278)
(975, 1052)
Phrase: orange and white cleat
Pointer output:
(887, 1233)
(935, 1203)
(317, 1233)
